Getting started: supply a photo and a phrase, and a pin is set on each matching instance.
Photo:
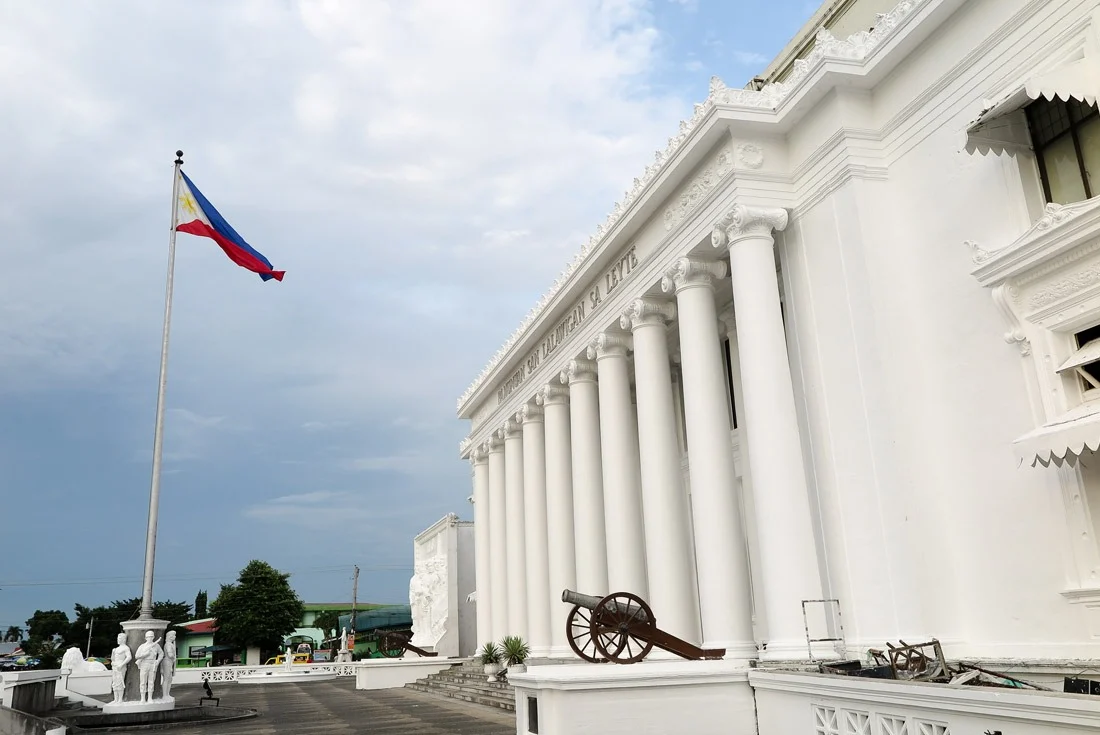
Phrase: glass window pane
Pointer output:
(1063, 171)
(1048, 120)
(1089, 135)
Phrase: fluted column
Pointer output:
(725, 605)
(534, 508)
(554, 399)
(516, 531)
(482, 571)
(664, 502)
(588, 516)
(787, 550)
(622, 476)
(498, 539)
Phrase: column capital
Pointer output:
(529, 414)
(644, 312)
(579, 371)
(610, 344)
(493, 444)
(692, 272)
(509, 429)
(480, 455)
(552, 394)
(742, 222)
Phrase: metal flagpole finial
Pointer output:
(179, 158)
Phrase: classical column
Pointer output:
(482, 570)
(725, 605)
(498, 539)
(664, 502)
(788, 555)
(554, 399)
(588, 519)
(534, 507)
(516, 531)
(622, 475)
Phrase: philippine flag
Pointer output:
(197, 216)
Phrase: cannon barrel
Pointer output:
(576, 598)
(591, 602)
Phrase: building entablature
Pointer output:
(733, 130)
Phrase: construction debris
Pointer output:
(925, 662)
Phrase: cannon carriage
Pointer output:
(395, 643)
(621, 628)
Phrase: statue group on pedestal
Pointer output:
(150, 659)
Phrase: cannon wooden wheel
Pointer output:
(578, 628)
(392, 645)
(620, 627)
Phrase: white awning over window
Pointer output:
(1063, 440)
(1002, 125)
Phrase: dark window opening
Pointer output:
(532, 715)
(1066, 137)
(729, 382)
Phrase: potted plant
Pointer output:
(515, 652)
(490, 655)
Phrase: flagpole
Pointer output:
(158, 433)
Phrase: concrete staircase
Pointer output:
(469, 683)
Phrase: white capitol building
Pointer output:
(836, 343)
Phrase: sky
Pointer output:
(422, 170)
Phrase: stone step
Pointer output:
(508, 705)
(483, 688)
(460, 679)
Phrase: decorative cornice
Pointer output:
(692, 272)
(1015, 334)
(552, 394)
(702, 185)
(856, 47)
(742, 222)
(579, 371)
(644, 312)
(610, 344)
(1061, 236)
(530, 414)
(464, 446)
(750, 155)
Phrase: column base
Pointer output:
(562, 652)
(736, 650)
(796, 651)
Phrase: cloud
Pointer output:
(403, 463)
(750, 57)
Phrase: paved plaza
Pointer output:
(337, 707)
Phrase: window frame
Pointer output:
(1074, 126)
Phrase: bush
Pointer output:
(514, 650)
(490, 653)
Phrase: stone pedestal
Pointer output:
(135, 636)
(443, 618)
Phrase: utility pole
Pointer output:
(88, 649)
(354, 598)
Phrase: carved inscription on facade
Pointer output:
(612, 278)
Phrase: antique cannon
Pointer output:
(394, 644)
(621, 628)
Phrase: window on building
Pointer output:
(1085, 362)
(1066, 137)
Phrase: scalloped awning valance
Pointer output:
(1062, 440)
(1002, 126)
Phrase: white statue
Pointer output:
(148, 657)
(288, 662)
(343, 639)
(168, 665)
(73, 660)
(120, 659)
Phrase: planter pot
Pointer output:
(492, 670)
(517, 668)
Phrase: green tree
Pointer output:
(14, 634)
(108, 618)
(261, 609)
(200, 604)
(46, 625)
(328, 621)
